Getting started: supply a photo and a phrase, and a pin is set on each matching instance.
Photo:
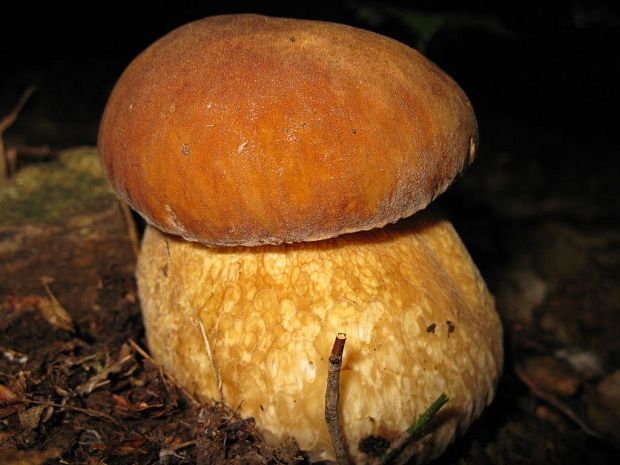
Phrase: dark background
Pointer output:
(546, 63)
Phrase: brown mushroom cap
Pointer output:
(251, 130)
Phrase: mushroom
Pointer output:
(268, 155)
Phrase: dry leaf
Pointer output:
(7, 396)
(126, 407)
(52, 310)
(552, 376)
(130, 445)
(101, 378)
(31, 417)
(10, 410)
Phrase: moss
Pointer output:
(52, 192)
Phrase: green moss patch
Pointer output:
(49, 193)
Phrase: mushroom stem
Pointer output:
(332, 400)
(413, 431)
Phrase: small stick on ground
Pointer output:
(332, 401)
(40, 152)
(135, 346)
(163, 376)
(553, 401)
(86, 411)
(6, 123)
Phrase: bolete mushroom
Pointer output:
(266, 153)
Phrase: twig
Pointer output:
(132, 231)
(6, 123)
(165, 377)
(414, 430)
(332, 401)
(9, 119)
(101, 378)
(37, 151)
(183, 445)
(41, 152)
(550, 399)
(86, 411)
(134, 345)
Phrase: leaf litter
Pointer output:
(86, 397)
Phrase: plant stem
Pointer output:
(414, 430)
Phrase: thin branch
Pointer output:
(135, 346)
(37, 151)
(165, 378)
(183, 445)
(552, 400)
(86, 411)
(9, 119)
(41, 152)
(332, 401)
(6, 123)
